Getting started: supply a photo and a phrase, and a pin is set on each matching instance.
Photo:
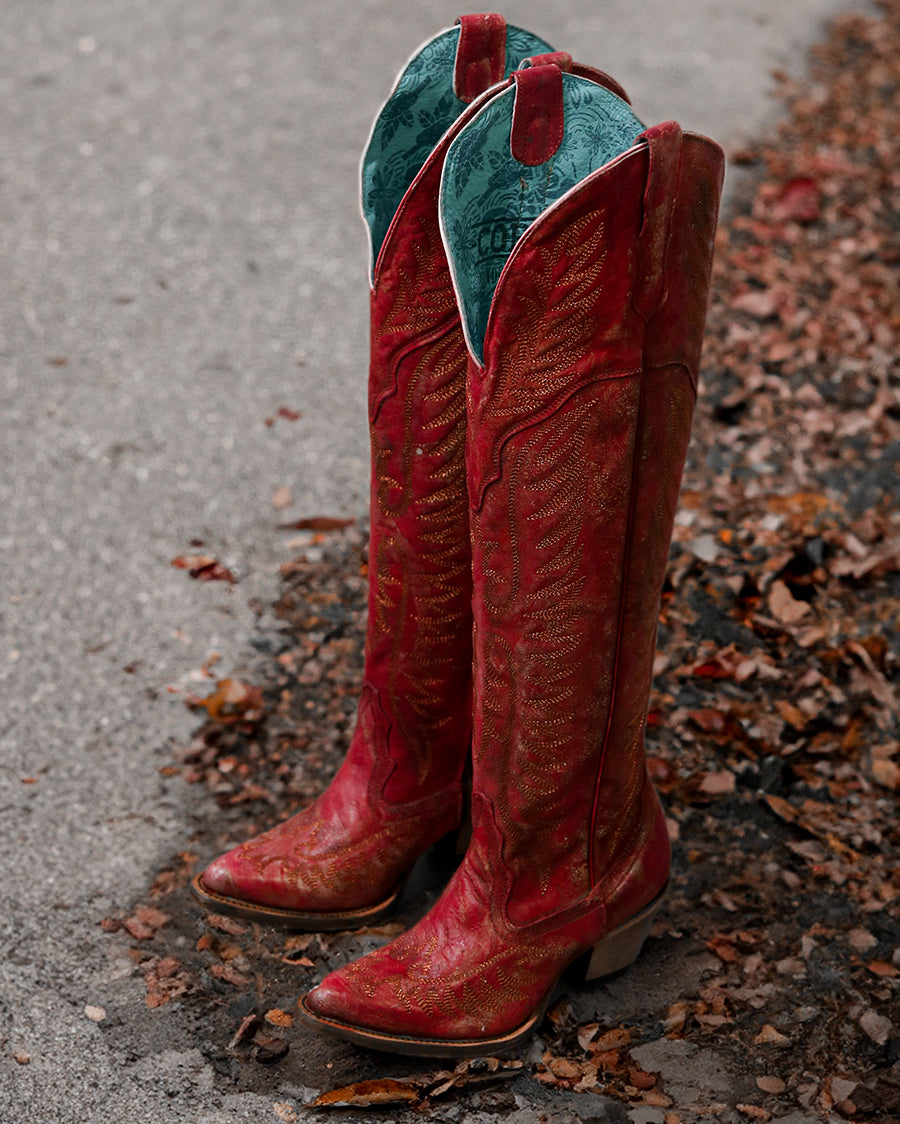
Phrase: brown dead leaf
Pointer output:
(718, 784)
(612, 1039)
(317, 523)
(797, 201)
(886, 773)
(676, 1018)
(724, 947)
(754, 1112)
(564, 1067)
(229, 974)
(783, 605)
(366, 1094)
(204, 567)
(883, 968)
(232, 701)
(145, 922)
(225, 924)
(165, 980)
(769, 1036)
(782, 808)
(267, 1049)
(249, 1025)
(279, 1018)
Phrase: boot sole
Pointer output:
(611, 954)
(292, 919)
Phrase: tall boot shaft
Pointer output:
(342, 861)
(418, 646)
(578, 429)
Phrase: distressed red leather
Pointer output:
(342, 861)
(480, 54)
(578, 426)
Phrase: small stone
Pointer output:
(876, 1026)
(841, 1088)
(704, 547)
(282, 498)
(792, 966)
(770, 1084)
(95, 1014)
(861, 940)
(21, 1058)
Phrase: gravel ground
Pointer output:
(184, 271)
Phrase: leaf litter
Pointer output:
(774, 726)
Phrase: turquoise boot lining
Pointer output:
(489, 199)
(415, 117)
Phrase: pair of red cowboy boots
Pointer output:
(540, 274)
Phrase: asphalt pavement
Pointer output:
(181, 257)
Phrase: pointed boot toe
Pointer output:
(232, 885)
(221, 879)
(330, 1000)
(366, 1016)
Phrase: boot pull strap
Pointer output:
(537, 125)
(480, 54)
(663, 174)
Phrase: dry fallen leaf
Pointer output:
(317, 523)
(226, 924)
(248, 1026)
(204, 567)
(718, 784)
(232, 701)
(783, 605)
(754, 1112)
(366, 1094)
(769, 1036)
(229, 974)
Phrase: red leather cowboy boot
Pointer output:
(584, 314)
(342, 861)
